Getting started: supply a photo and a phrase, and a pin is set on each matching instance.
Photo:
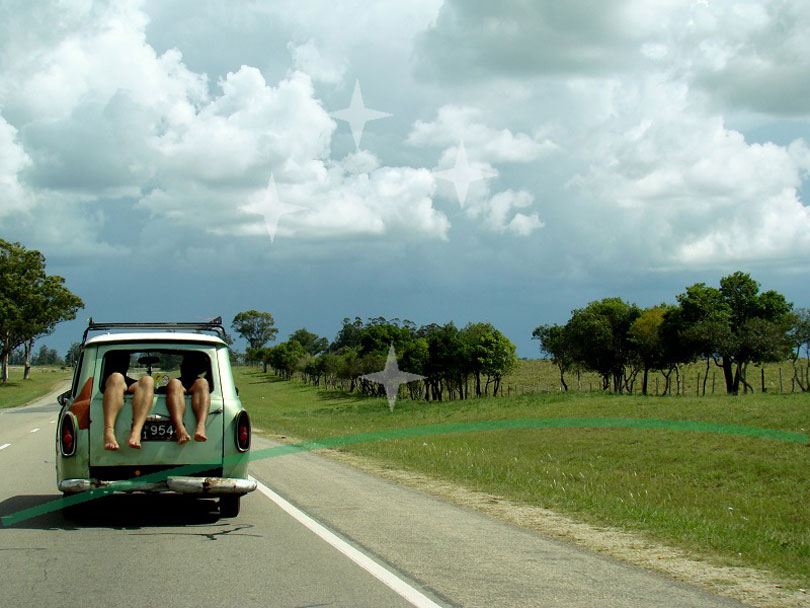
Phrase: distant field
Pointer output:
(42, 381)
(538, 375)
(731, 499)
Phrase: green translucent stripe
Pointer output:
(416, 431)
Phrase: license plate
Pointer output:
(160, 430)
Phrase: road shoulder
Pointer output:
(474, 548)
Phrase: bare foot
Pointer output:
(134, 440)
(199, 435)
(182, 435)
(110, 442)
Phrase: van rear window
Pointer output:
(162, 364)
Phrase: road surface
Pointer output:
(316, 533)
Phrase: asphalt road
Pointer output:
(316, 534)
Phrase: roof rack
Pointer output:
(214, 325)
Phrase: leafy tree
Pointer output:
(73, 353)
(46, 356)
(286, 357)
(255, 327)
(555, 343)
(312, 343)
(32, 302)
(348, 336)
(647, 338)
(600, 340)
(800, 334)
(488, 355)
(735, 325)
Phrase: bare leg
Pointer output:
(143, 392)
(176, 404)
(200, 404)
(112, 403)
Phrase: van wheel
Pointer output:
(229, 505)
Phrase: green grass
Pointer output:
(42, 381)
(731, 499)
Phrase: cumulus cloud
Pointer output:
(690, 191)
(463, 123)
(307, 58)
(13, 160)
(752, 54)
(497, 209)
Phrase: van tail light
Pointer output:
(242, 431)
(67, 435)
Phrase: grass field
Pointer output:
(731, 499)
(42, 381)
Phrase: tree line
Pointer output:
(32, 303)
(730, 327)
(457, 363)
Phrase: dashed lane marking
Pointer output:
(34, 430)
(4, 446)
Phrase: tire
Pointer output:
(229, 505)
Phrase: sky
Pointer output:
(430, 160)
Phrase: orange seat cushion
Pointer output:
(81, 405)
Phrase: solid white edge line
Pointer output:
(34, 430)
(361, 559)
(4, 446)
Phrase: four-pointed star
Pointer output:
(391, 377)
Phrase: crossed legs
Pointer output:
(200, 403)
(142, 393)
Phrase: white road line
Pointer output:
(376, 570)
(34, 430)
(4, 446)
(53, 421)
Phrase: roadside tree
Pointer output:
(32, 302)
(735, 325)
(555, 343)
(255, 327)
(600, 341)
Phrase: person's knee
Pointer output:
(115, 382)
(146, 383)
(200, 385)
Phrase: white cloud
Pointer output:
(464, 123)
(307, 58)
(13, 160)
(495, 212)
(682, 187)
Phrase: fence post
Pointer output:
(781, 385)
(714, 377)
(697, 387)
(762, 376)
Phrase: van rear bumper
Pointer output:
(211, 486)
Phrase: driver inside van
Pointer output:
(191, 382)
(114, 384)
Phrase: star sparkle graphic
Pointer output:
(270, 207)
(391, 377)
(357, 115)
(463, 174)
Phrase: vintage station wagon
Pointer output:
(215, 467)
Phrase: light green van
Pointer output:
(215, 467)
